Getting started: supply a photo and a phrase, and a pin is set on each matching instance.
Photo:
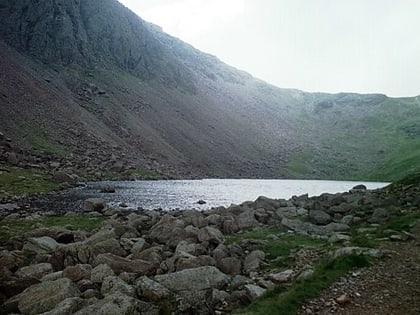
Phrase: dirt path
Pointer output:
(392, 286)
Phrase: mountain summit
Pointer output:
(91, 82)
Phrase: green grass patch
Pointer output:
(279, 244)
(399, 224)
(10, 228)
(297, 165)
(145, 174)
(287, 300)
(18, 181)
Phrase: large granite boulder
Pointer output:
(45, 296)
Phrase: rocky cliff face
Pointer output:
(90, 78)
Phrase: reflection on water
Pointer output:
(184, 194)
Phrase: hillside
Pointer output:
(90, 86)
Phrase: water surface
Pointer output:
(184, 194)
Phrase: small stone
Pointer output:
(343, 299)
(201, 202)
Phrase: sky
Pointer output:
(363, 46)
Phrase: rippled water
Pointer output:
(184, 194)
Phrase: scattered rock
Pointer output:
(94, 204)
(46, 295)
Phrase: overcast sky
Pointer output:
(364, 46)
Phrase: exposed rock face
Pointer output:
(89, 107)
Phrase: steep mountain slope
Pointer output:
(91, 81)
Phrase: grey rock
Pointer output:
(254, 260)
(344, 251)
(40, 245)
(230, 265)
(168, 230)
(281, 277)
(37, 271)
(77, 272)
(305, 275)
(196, 279)
(100, 272)
(116, 303)
(94, 204)
(120, 264)
(254, 291)
(46, 295)
(67, 307)
(319, 217)
(382, 215)
(139, 245)
(339, 238)
(191, 248)
(211, 235)
(113, 284)
(52, 276)
(151, 290)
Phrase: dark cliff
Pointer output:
(90, 78)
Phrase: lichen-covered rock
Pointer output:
(37, 271)
(151, 290)
(115, 284)
(211, 235)
(169, 231)
(319, 217)
(100, 272)
(40, 245)
(120, 264)
(67, 307)
(253, 261)
(94, 204)
(116, 303)
(195, 279)
(77, 272)
(46, 295)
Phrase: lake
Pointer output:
(184, 194)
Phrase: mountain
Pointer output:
(91, 85)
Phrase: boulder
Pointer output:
(67, 307)
(35, 271)
(319, 217)
(194, 218)
(11, 260)
(40, 245)
(94, 204)
(154, 255)
(196, 279)
(46, 295)
(254, 260)
(230, 265)
(77, 272)
(382, 215)
(281, 277)
(191, 248)
(116, 303)
(151, 290)
(120, 264)
(62, 177)
(169, 231)
(138, 246)
(247, 219)
(100, 272)
(113, 284)
(254, 291)
(210, 235)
